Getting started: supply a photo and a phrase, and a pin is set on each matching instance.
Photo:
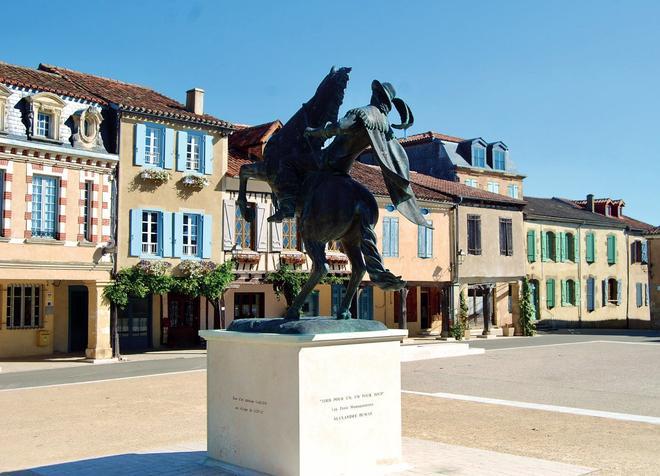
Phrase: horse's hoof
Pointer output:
(344, 315)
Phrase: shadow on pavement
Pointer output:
(184, 462)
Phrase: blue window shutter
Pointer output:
(166, 233)
(136, 232)
(429, 241)
(168, 151)
(421, 247)
(645, 252)
(178, 235)
(140, 139)
(207, 236)
(638, 289)
(618, 291)
(208, 154)
(387, 229)
(395, 235)
(181, 150)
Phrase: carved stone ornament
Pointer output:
(87, 128)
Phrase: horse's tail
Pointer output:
(380, 276)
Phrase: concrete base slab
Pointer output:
(411, 353)
(113, 360)
(488, 336)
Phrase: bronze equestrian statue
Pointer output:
(312, 182)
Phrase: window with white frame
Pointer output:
(2, 202)
(498, 159)
(494, 187)
(44, 206)
(472, 183)
(190, 235)
(153, 146)
(44, 124)
(289, 234)
(513, 191)
(194, 152)
(23, 306)
(150, 232)
(87, 210)
(478, 156)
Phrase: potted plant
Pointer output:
(155, 175)
(195, 181)
(507, 330)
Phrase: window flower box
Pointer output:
(153, 267)
(294, 258)
(195, 268)
(155, 175)
(195, 181)
(337, 258)
(247, 257)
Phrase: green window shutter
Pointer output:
(589, 255)
(562, 292)
(611, 252)
(531, 244)
(614, 253)
(544, 246)
(562, 247)
(557, 247)
(577, 293)
(550, 293)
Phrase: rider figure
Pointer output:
(359, 128)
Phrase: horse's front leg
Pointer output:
(256, 170)
(316, 251)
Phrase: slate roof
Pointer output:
(130, 97)
(247, 136)
(459, 190)
(31, 78)
(563, 209)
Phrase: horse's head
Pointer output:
(324, 105)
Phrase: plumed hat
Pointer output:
(387, 94)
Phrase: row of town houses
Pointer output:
(97, 175)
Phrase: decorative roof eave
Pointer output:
(223, 127)
(483, 170)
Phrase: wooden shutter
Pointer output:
(262, 229)
(638, 289)
(140, 139)
(178, 235)
(589, 245)
(550, 293)
(502, 237)
(544, 246)
(411, 305)
(611, 249)
(207, 236)
(562, 247)
(563, 289)
(477, 234)
(181, 150)
(229, 225)
(645, 252)
(136, 231)
(208, 154)
(275, 233)
(429, 240)
(421, 238)
(509, 238)
(576, 287)
(168, 151)
(166, 233)
(531, 246)
(557, 247)
(395, 237)
(387, 238)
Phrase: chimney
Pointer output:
(195, 100)
(590, 203)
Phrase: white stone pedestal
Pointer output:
(312, 404)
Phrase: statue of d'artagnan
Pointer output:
(312, 182)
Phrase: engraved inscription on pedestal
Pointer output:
(249, 405)
(352, 406)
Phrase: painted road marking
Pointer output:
(102, 380)
(522, 347)
(542, 407)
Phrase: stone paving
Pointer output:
(421, 458)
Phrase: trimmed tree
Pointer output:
(527, 314)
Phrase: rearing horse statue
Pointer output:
(312, 182)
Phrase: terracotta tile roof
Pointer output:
(631, 222)
(23, 77)
(246, 136)
(653, 231)
(428, 136)
(371, 177)
(235, 159)
(637, 224)
(457, 189)
(133, 97)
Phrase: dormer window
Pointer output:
(498, 159)
(44, 125)
(46, 110)
(608, 210)
(478, 156)
(4, 94)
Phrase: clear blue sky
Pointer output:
(571, 87)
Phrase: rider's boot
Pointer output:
(286, 209)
